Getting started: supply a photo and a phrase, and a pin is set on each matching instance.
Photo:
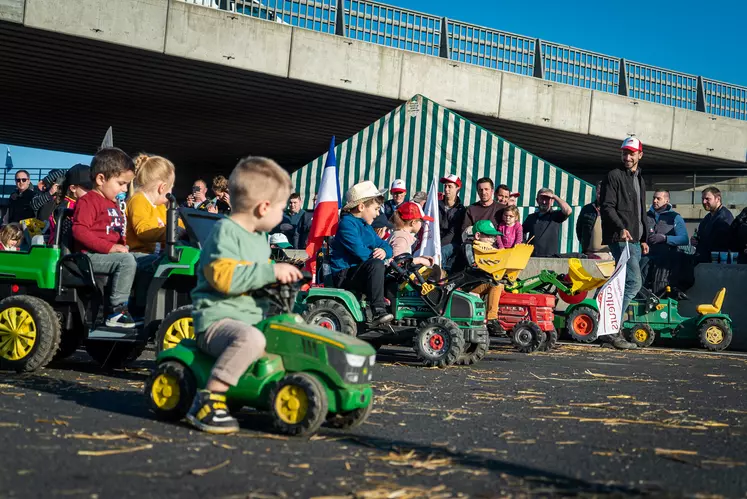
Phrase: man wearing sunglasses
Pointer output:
(19, 206)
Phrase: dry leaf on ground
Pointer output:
(57, 422)
(111, 452)
(205, 471)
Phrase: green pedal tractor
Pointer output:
(652, 317)
(53, 302)
(308, 377)
(444, 325)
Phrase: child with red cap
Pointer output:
(408, 220)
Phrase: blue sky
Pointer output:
(700, 38)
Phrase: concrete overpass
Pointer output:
(205, 87)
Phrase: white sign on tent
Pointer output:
(610, 298)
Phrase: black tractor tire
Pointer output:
(170, 391)
(114, 354)
(331, 314)
(527, 337)
(172, 328)
(706, 331)
(43, 328)
(70, 338)
(438, 342)
(552, 341)
(583, 316)
(474, 352)
(350, 419)
(285, 397)
(642, 335)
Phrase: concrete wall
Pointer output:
(135, 23)
(11, 10)
(546, 104)
(219, 37)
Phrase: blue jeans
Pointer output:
(633, 281)
(447, 256)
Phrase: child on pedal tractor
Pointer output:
(146, 218)
(10, 237)
(358, 254)
(484, 233)
(408, 220)
(99, 230)
(234, 261)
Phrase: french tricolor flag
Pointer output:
(327, 209)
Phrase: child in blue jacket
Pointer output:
(358, 254)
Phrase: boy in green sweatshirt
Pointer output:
(234, 261)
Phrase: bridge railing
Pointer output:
(391, 26)
(661, 85)
(580, 68)
(406, 29)
(725, 99)
(490, 48)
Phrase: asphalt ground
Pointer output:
(579, 421)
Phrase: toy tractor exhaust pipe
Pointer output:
(171, 226)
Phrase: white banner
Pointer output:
(430, 244)
(610, 298)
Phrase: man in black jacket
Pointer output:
(451, 215)
(19, 204)
(623, 212)
(714, 229)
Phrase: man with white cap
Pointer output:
(623, 212)
(358, 253)
(398, 192)
(450, 217)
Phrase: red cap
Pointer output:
(632, 144)
(452, 179)
(515, 194)
(412, 211)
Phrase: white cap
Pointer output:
(398, 186)
(280, 240)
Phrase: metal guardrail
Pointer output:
(490, 48)
(662, 86)
(580, 68)
(725, 99)
(405, 29)
(391, 26)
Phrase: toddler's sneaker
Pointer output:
(209, 413)
(120, 317)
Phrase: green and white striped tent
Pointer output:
(421, 140)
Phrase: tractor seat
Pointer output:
(75, 268)
(715, 307)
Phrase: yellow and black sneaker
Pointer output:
(209, 413)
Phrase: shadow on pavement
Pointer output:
(532, 480)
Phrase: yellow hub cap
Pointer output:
(165, 392)
(714, 335)
(17, 333)
(291, 404)
(180, 329)
(641, 335)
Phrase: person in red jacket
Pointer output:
(99, 230)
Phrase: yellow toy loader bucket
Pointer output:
(581, 280)
(501, 263)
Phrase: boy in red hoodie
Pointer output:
(99, 230)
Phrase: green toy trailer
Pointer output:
(309, 375)
(52, 301)
(445, 326)
(581, 316)
(655, 317)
